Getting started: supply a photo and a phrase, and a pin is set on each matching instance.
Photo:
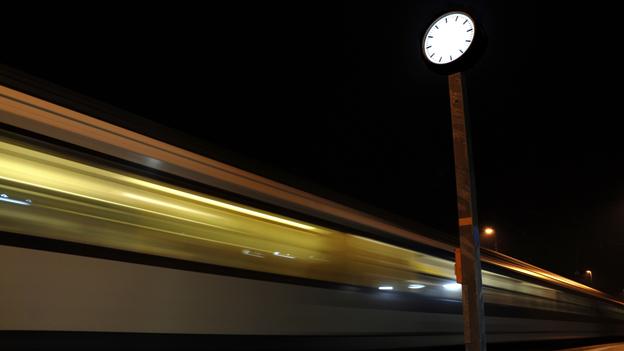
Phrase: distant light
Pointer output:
(588, 272)
(452, 286)
(416, 286)
(285, 255)
(386, 287)
(489, 231)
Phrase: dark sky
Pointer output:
(334, 98)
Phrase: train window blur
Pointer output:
(53, 197)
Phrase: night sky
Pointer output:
(334, 98)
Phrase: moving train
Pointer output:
(108, 234)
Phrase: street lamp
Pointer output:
(589, 274)
(490, 232)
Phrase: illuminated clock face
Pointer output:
(448, 38)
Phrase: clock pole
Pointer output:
(470, 278)
(452, 43)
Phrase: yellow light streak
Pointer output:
(165, 204)
(67, 164)
(221, 204)
(106, 201)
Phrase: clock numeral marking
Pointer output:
(428, 47)
(468, 41)
(462, 51)
(469, 30)
(446, 20)
(465, 22)
(451, 57)
(429, 36)
(432, 55)
(456, 17)
(437, 27)
(440, 59)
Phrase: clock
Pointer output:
(451, 42)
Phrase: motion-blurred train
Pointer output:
(105, 231)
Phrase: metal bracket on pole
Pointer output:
(458, 265)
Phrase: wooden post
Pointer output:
(472, 297)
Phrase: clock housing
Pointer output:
(452, 42)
